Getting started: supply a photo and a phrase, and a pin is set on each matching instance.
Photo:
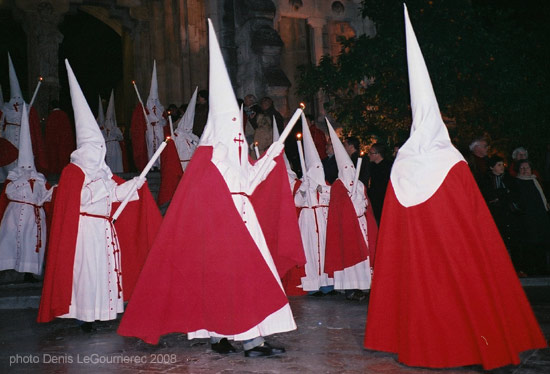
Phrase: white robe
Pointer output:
(11, 126)
(359, 275)
(24, 226)
(113, 155)
(281, 320)
(186, 144)
(95, 289)
(313, 229)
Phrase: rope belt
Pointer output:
(37, 220)
(241, 193)
(6, 123)
(116, 248)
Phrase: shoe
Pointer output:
(317, 294)
(357, 295)
(264, 350)
(88, 327)
(223, 347)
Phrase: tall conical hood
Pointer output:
(110, 116)
(292, 175)
(90, 152)
(314, 166)
(425, 159)
(185, 124)
(100, 113)
(224, 125)
(346, 169)
(26, 157)
(15, 90)
(153, 104)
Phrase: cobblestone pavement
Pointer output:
(329, 339)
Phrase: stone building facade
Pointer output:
(263, 42)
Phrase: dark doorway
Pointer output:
(13, 40)
(94, 51)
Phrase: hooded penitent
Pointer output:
(445, 292)
(93, 263)
(155, 118)
(22, 217)
(213, 242)
(113, 137)
(186, 142)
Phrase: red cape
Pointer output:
(8, 152)
(345, 246)
(137, 134)
(60, 141)
(136, 228)
(38, 148)
(217, 277)
(444, 290)
(170, 173)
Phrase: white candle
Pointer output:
(291, 123)
(141, 102)
(301, 154)
(171, 125)
(35, 91)
(148, 167)
(256, 150)
(357, 171)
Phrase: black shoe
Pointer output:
(88, 327)
(223, 347)
(264, 350)
(29, 278)
(317, 294)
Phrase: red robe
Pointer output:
(444, 290)
(137, 134)
(345, 245)
(170, 173)
(205, 270)
(136, 228)
(8, 152)
(60, 141)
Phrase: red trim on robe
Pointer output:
(204, 270)
(444, 291)
(135, 227)
(8, 152)
(345, 244)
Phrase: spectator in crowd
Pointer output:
(478, 159)
(519, 154)
(534, 220)
(250, 109)
(329, 164)
(380, 169)
(353, 147)
(201, 113)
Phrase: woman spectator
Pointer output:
(499, 191)
(534, 222)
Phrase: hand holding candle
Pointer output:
(148, 167)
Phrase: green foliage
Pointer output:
(485, 63)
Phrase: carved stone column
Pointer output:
(317, 25)
(40, 22)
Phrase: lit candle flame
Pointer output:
(298, 136)
(303, 106)
(134, 82)
(40, 78)
(168, 138)
(361, 154)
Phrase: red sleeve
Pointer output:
(58, 278)
(170, 173)
(8, 152)
(3, 200)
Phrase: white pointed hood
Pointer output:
(100, 114)
(154, 106)
(291, 174)
(15, 89)
(185, 124)
(223, 130)
(425, 159)
(315, 172)
(25, 161)
(90, 144)
(346, 169)
(110, 116)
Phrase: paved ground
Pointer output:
(328, 340)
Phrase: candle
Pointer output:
(148, 167)
(301, 153)
(171, 124)
(141, 102)
(35, 91)
(291, 123)
(357, 172)
(256, 150)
